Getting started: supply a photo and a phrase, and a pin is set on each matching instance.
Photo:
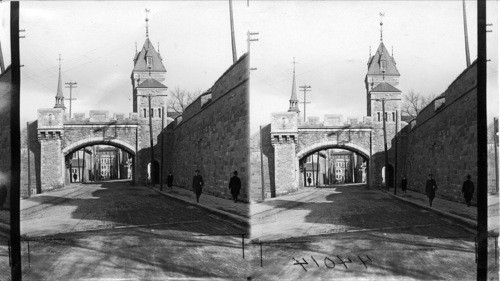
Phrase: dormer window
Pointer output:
(149, 61)
(383, 65)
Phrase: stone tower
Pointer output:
(59, 95)
(148, 77)
(381, 80)
(294, 101)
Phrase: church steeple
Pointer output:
(59, 95)
(294, 101)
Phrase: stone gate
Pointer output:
(60, 135)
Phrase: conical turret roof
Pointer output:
(140, 59)
(375, 61)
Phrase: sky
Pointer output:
(96, 41)
(5, 32)
(330, 40)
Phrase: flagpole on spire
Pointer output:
(147, 23)
(381, 25)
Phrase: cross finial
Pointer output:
(370, 52)
(147, 20)
(158, 47)
(136, 47)
(392, 51)
(294, 62)
(381, 25)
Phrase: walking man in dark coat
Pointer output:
(309, 180)
(404, 183)
(170, 180)
(235, 186)
(430, 188)
(197, 185)
(468, 190)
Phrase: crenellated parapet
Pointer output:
(103, 116)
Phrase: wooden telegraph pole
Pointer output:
(70, 85)
(305, 89)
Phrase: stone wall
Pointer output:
(30, 165)
(443, 141)
(213, 137)
(262, 172)
(6, 92)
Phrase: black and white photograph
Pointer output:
(249, 140)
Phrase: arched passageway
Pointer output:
(94, 160)
(329, 164)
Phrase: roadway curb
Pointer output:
(469, 222)
(241, 221)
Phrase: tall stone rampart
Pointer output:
(212, 135)
(444, 140)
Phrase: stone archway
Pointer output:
(311, 149)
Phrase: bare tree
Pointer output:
(413, 103)
(179, 99)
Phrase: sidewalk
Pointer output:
(238, 212)
(455, 210)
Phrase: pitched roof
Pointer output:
(151, 83)
(382, 55)
(140, 63)
(385, 87)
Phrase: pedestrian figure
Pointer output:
(74, 177)
(309, 180)
(430, 188)
(170, 180)
(404, 183)
(197, 185)
(468, 190)
(235, 186)
(3, 195)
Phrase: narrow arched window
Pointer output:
(144, 110)
(159, 112)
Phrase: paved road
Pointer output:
(404, 242)
(116, 230)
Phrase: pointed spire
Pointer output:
(59, 94)
(294, 101)
(147, 21)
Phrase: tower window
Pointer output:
(159, 112)
(152, 113)
(393, 116)
(144, 110)
(383, 65)
(378, 116)
(149, 61)
(386, 117)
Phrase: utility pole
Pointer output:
(305, 89)
(233, 43)
(149, 96)
(250, 39)
(71, 85)
(482, 145)
(2, 65)
(467, 55)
